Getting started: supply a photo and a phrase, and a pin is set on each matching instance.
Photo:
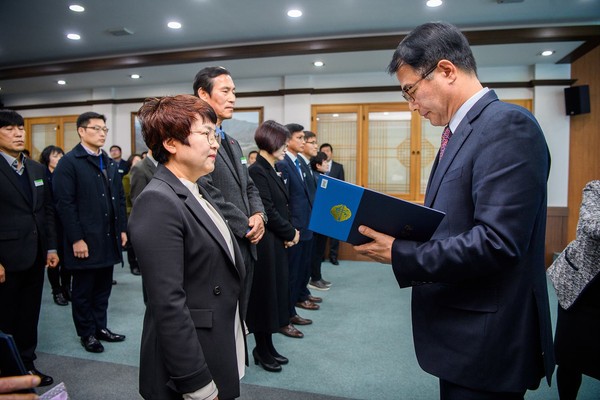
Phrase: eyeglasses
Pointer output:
(313, 142)
(211, 136)
(97, 128)
(407, 92)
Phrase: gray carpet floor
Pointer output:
(359, 347)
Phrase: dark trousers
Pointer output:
(20, 301)
(60, 279)
(334, 246)
(452, 391)
(244, 245)
(299, 266)
(320, 243)
(89, 295)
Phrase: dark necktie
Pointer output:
(446, 135)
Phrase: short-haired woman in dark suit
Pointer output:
(192, 339)
(269, 299)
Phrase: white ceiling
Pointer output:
(32, 33)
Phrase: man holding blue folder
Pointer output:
(480, 311)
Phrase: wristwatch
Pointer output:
(264, 217)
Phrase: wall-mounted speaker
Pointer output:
(577, 100)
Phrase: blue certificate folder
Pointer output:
(341, 207)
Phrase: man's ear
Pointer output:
(203, 94)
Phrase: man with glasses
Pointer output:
(480, 313)
(91, 205)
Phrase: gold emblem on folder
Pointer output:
(340, 212)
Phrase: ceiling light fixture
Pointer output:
(318, 63)
(174, 25)
(76, 8)
(135, 76)
(547, 53)
(294, 13)
(434, 3)
(61, 82)
(73, 36)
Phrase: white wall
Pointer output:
(548, 105)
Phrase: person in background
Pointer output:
(193, 344)
(252, 157)
(90, 201)
(336, 170)
(59, 277)
(229, 184)
(578, 324)
(131, 161)
(115, 153)
(269, 299)
(480, 312)
(144, 154)
(27, 240)
(319, 166)
(300, 207)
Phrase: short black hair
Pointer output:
(318, 159)
(10, 118)
(115, 146)
(84, 118)
(271, 135)
(294, 128)
(204, 78)
(429, 43)
(326, 145)
(47, 152)
(308, 135)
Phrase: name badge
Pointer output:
(244, 160)
(38, 182)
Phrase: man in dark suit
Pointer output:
(27, 239)
(480, 311)
(141, 174)
(116, 154)
(229, 184)
(91, 204)
(300, 206)
(336, 170)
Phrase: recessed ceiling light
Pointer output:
(135, 76)
(73, 36)
(335, 115)
(318, 63)
(76, 8)
(434, 3)
(294, 13)
(547, 53)
(174, 25)
(61, 82)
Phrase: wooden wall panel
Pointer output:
(584, 146)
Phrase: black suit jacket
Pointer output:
(337, 171)
(194, 288)
(480, 302)
(27, 229)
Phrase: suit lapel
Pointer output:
(463, 131)
(274, 175)
(11, 176)
(192, 204)
(222, 153)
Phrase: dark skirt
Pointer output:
(577, 339)
(269, 297)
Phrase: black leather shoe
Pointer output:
(334, 261)
(280, 359)
(136, 271)
(267, 366)
(92, 344)
(45, 380)
(108, 336)
(59, 299)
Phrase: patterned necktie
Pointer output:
(446, 135)
(297, 162)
